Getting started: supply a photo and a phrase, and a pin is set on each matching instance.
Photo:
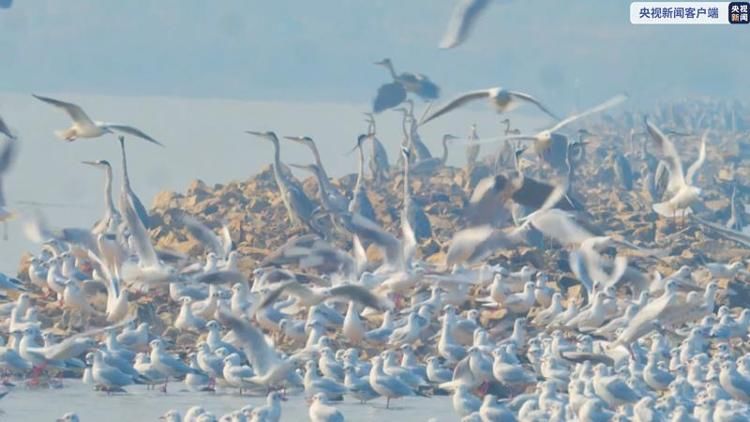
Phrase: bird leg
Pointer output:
(387, 402)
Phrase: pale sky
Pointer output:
(195, 74)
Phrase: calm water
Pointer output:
(142, 405)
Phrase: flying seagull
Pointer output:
(503, 100)
(84, 127)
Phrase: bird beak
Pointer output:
(298, 166)
(91, 163)
(254, 133)
(294, 138)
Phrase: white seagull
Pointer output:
(503, 100)
(84, 127)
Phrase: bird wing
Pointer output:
(462, 19)
(559, 225)
(74, 111)
(8, 154)
(220, 277)
(458, 102)
(361, 295)
(580, 270)
(617, 99)
(693, 169)
(130, 130)
(259, 353)
(389, 95)
(203, 234)
(668, 150)
(369, 230)
(529, 98)
(291, 287)
(226, 238)
(143, 247)
(4, 129)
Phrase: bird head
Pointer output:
(384, 62)
(305, 140)
(269, 136)
(98, 163)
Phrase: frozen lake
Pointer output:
(140, 404)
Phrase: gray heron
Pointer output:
(331, 200)
(298, 205)
(360, 202)
(394, 93)
(411, 135)
(472, 149)
(140, 210)
(7, 157)
(332, 190)
(112, 218)
(379, 165)
(415, 215)
(84, 127)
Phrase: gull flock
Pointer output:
(545, 302)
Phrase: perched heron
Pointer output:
(84, 127)
(140, 210)
(501, 99)
(623, 171)
(472, 149)
(360, 203)
(332, 200)
(411, 134)
(379, 165)
(298, 205)
(430, 165)
(736, 221)
(330, 188)
(112, 217)
(7, 157)
(414, 213)
(508, 130)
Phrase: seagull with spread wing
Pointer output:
(543, 140)
(84, 127)
(680, 184)
(503, 100)
(313, 296)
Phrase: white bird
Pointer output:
(387, 386)
(109, 377)
(186, 320)
(464, 402)
(321, 411)
(503, 100)
(680, 185)
(167, 364)
(84, 127)
(237, 375)
(68, 417)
